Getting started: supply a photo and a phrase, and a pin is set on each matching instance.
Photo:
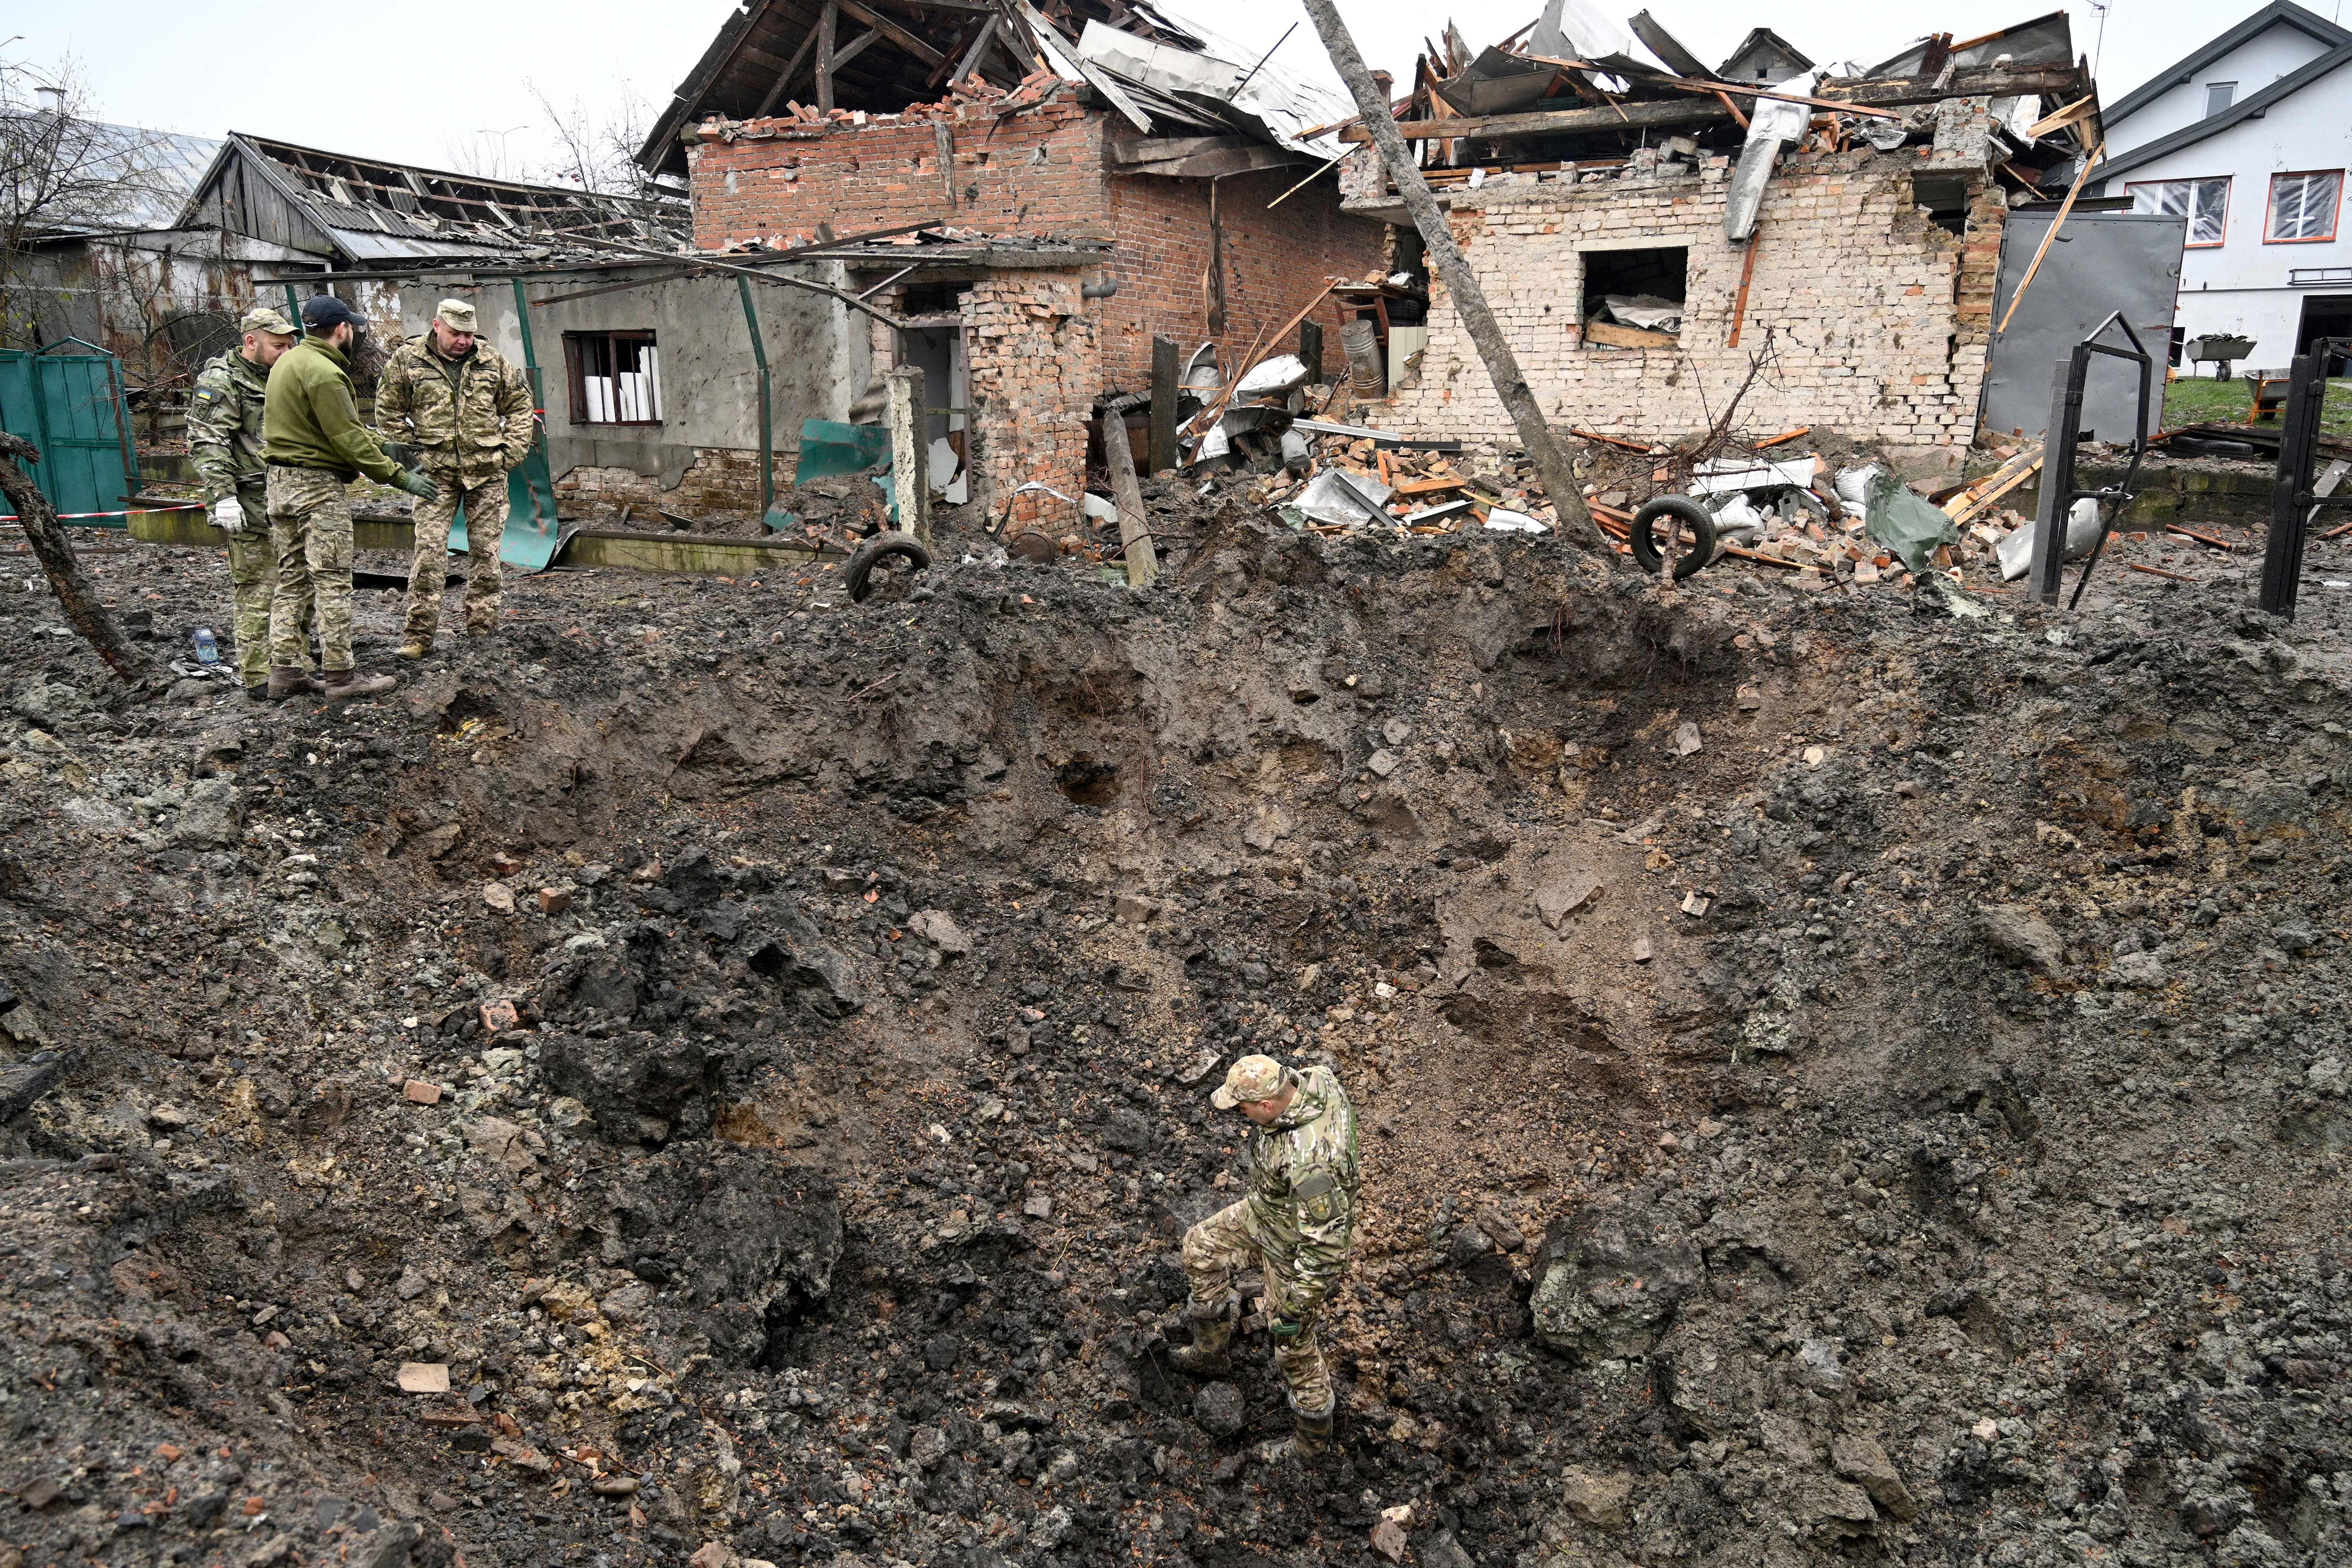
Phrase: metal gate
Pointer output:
(2100, 265)
(70, 405)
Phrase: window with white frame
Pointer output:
(2219, 95)
(2206, 203)
(2303, 206)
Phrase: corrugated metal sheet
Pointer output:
(137, 178)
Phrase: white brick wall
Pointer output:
(1879, 316)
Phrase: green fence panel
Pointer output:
(70, 405)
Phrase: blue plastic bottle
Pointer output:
(207, 648)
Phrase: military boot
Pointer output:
(1213, 1330)
(1310, 1436)
(285, 681)
(341, 686)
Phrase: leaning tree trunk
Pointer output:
(89, 616)
(1469, 301)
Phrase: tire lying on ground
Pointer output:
(1680, 513)
(880, 548)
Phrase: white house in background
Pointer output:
(2250, 136)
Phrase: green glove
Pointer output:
(1285, 1328)
(417, 484)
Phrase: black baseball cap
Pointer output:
(324, 313)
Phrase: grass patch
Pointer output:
(2206, 402)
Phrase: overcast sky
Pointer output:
(448, 83)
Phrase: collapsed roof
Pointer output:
(1522, 105)
(367, 210)
(1164, 75)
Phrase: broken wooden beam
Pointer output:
(828, 24)
(1553, 122)
(1617, 337)
(895, 32)
(2206, 539)
(1134, 527)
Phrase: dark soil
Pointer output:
(1842, 1081)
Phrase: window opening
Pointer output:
(2219, 95)
(1633, 298)
(616, 377)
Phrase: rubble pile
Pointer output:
(719, 1074)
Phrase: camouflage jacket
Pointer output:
(1302, 1185)
(471, 416)
(224, 424)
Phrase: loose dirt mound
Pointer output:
(1838, 1083)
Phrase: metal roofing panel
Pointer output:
(140, 179)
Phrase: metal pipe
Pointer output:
(767, 431)
(538, 397)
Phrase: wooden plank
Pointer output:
(1161, 453)
(1617, 337)
(1134, 528)
(979, 47)
(2090, 163)
(895, 32)
(1976, 499)
(1218, 164)
(2206, 539)
(827, 23)
(1430, 486)
(1991, 81)
(854, 48)
(1160, 148)
(1556, 121)
(1608, 440)
(1747, 276)
(785, 78)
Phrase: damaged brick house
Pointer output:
(1642, 232)
(1091, 175)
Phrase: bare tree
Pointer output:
(598, 152)
(64, 172)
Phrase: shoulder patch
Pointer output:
(207, 394)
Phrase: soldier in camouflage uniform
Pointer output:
(1297, 1223)
(225, 440)
(315, 446)
(468, 412)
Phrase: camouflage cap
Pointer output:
(1251, 1079)
(458, 316)
(262, 318)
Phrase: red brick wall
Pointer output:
(1273, 260)
(1035, 363)
(1040, 172)
(1047, 172)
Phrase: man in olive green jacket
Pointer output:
(468, 412)
(1298, 1224)
(225, 442)
(315, 446)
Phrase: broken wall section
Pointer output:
(1041, 172)
(1273, 260)
(1879, 316)
(1035, 363)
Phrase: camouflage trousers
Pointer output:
(310, 531)
(1229, 1240)
(253, 576)
(486, 526)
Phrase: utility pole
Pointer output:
(1469, 301)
